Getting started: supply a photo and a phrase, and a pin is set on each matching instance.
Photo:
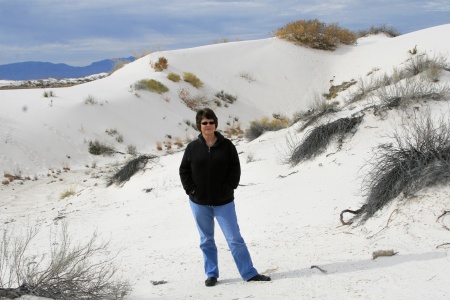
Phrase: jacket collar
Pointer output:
(219, 136)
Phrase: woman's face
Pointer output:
(208, 126)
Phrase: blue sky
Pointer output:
(78, 32)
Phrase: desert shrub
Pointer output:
(366, 87)
(132, 150)
(70, 191)
(90, 100)
(226, 97)
(152, 85)
(421, 63)
(66, 271)
(160, 65)
(247, 76)
(119, 138)
(388, 30)
(409, 91)
(124, 174)
(193, 102)
(316, 140)
(192, 79)
(111, 132)
(417, 156)
(178, 142)
(316, 34)
(234, 130)
(98, 148)
(258, 127)
(48, 94)
(173, 77)
(319, 107)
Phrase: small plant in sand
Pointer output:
(90, 100)
(48, 94)
(98, 148)
(152, 85)
(258, 127)
(173, 77)
(160, 65)
(192, 79)
(70, 191)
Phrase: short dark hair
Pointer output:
(207, 114)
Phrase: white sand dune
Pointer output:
(289, 216)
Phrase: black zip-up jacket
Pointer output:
(210, 175)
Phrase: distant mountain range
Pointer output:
(41, 70)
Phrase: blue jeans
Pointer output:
(226, 217)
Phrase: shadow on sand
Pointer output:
(348, 266)
(360, 265)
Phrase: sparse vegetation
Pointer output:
(178, 142)
(160, 65)
(258, 127)
(70, 191)
(316, 34)
(131, 149)
(422, 62)
(388, 30)
(234, 130)
(152, 85)
(410, 91)
(112, 132)
(363, 88)
(65, 271)
(317, 139)
(173, 77)
(119, 138)
(192, 79)
(124, 174)
(319, 108)
(48, 94)
(226, 97)
(247, 76)
(413, 51)
(193, 102)
(417, 156)
(90, 100)
(392, 86)
(98, 148)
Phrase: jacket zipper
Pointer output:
(209, 176)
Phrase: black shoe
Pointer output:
(259, 277)
(211, 281)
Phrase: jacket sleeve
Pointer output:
(234, 170)
(186, 173)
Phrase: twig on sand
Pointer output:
(387, 224)
(284, 176)
(355, 212)
(442, 215)
(319, 268)
(441, 245)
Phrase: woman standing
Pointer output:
(210, 171)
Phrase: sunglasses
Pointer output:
(210, 123)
